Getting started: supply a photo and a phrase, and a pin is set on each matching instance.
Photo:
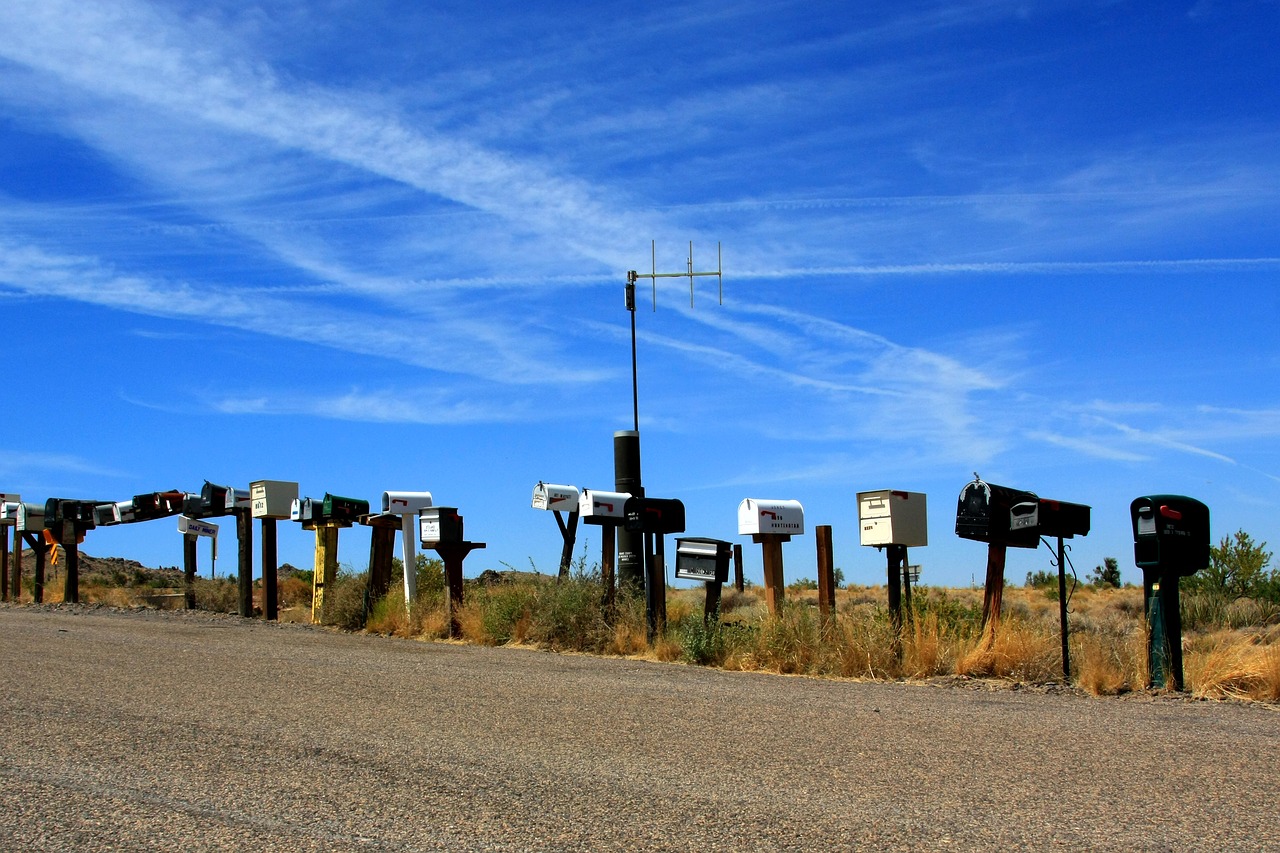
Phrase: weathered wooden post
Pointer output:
(382, 543)
(739, 579)
(189, 569)
(826, 572)
(769, 523)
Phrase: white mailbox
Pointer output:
(552, 497)
(405, 503)
(104, 515)
(893, 517)
(272, 498)
(779, 518)
(439, 524)
(30, 517)
(596, 507)
(125, 512)
(238, 499)
(9, 508)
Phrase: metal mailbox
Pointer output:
(763, 517)
(30, 518)
(9, 508)
(272, 498)
(157, 505)
(555, 497)
(597, 507)
(984, 514)
(439, 524)
(58, 511)
(653, 515)
(1170, 533)
(237, 499)
(701, 559)
(305, 510)
(1047, 517)
(343, 510)
(893, 517)
(405, 503)
(105, 515)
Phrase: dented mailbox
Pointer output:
(549, 496)
(893, 517)
(700, 559)
(983, 513)
(768, 517)
(597, 507)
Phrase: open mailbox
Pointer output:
(984, 514)
(893, 517)
(597, 507)
(700, 559)
(770, 518)
(1170, 533)
(558, 498)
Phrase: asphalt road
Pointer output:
(174, 731)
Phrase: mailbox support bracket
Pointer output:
(452, 554)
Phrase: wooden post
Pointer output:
(189, 569)
(382, 544)
(71, 587)
(4, 562)
(897, 556)
(37, 553)
(774, 588)
(270, 565)
(326, 570)
(739, 581)
(993, 593)
(608, 549)
(826, 572)
(452, 554)
(906, 587)
(711, 609)
(244, 538)
(569, 532)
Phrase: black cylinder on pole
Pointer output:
(626, 479)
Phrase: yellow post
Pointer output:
(326, 569)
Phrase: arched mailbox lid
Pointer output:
(30, 517)
(1170, 533)
(405, 503)
(237, 499)
(983, 513)
(654, 515)
(9, 508)
(550, 496)
(784, 518)
(597, 507)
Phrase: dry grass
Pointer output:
(1233, 665)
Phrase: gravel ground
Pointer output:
(133, 730)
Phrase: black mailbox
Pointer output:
(58, 511)
(703, 559)
(210, 503)
(1170, 534)
(1047, 517)
(157, 505)
(654, 515)
(340, 509)
(985, 512)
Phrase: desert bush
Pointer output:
(1231, 665)
(293, 591)
(220, 596)
(566, 614)
(344, 605)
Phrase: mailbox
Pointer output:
(157, 505)
(552, 497)
(984, 514)
(105, 515)
(272, 498)
(1047, 517)
(653, 515)
(210, 503)
(596, 507)
(891, 517)
(305, 510)
(342, 510)
(58, 511)
(703, 559)
(778, 518)
(30, 518)
(124, 512)
(405, 503)
(439, 524)
(9, 508)
(1170, 533)
(236, 499)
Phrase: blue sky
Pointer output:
(369, 246)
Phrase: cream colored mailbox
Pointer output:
(552, 497)
(770, 518)
(272, 498)
(893, 517)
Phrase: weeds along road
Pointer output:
(173, 731)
